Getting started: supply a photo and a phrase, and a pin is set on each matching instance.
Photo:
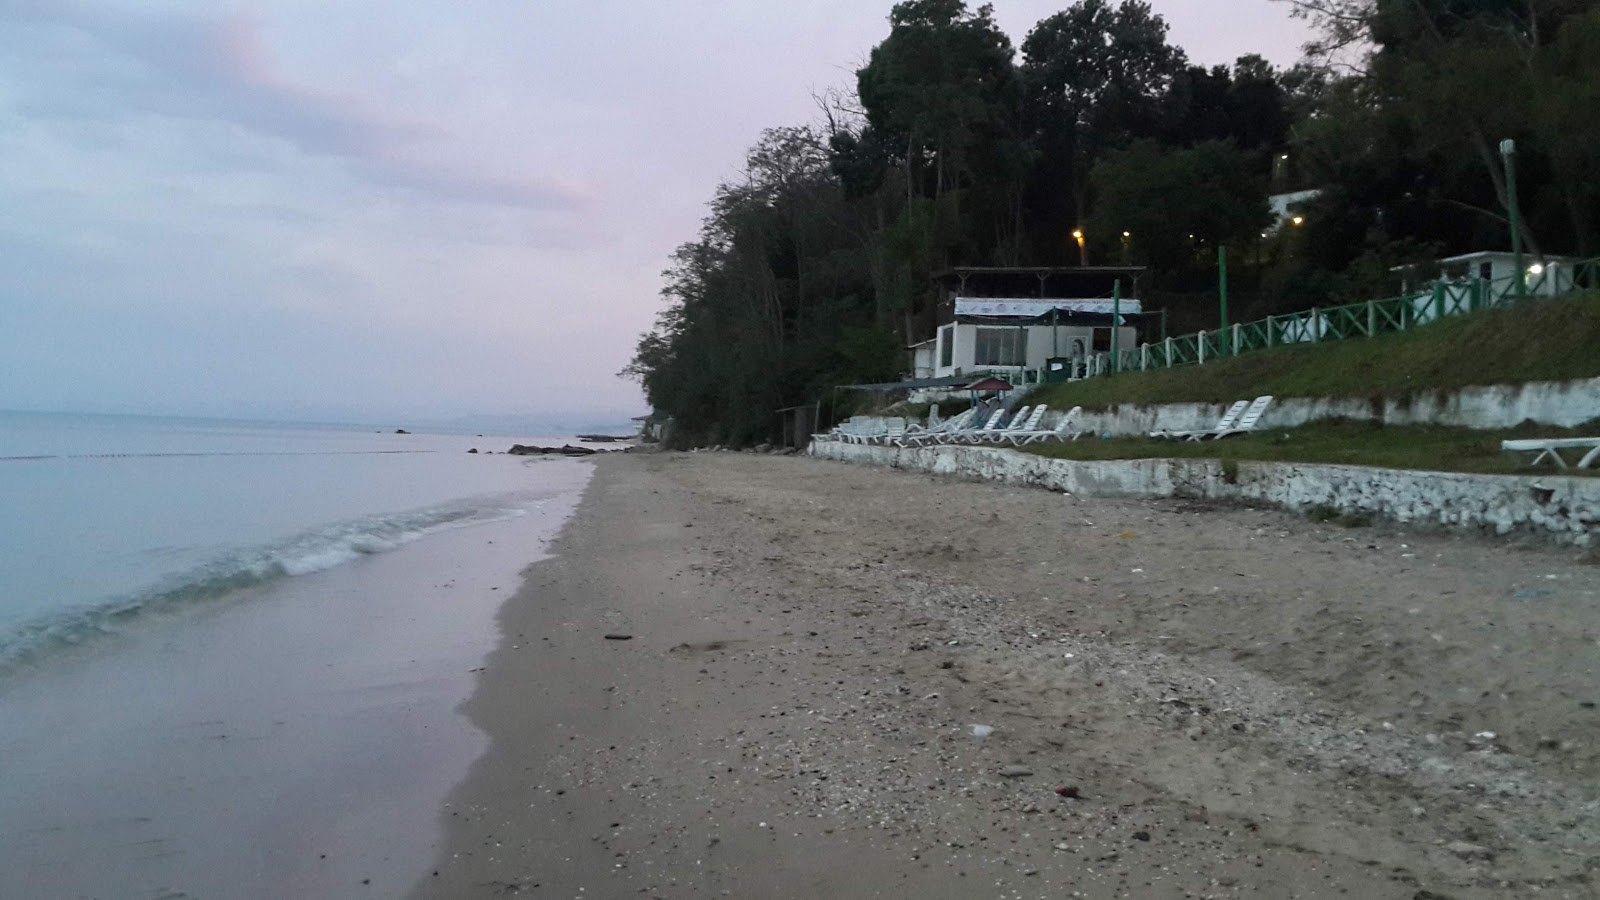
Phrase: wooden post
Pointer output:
(1168, 341)
(1315, 324)
(1271, 338)
(1372, 319)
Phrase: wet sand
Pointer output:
(1178, 701)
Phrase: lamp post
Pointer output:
(1508, 153)
(1083, 249)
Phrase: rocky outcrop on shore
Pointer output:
(564, 450)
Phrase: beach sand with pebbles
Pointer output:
(1174, 700)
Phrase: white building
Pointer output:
(1543, 276)
(1287, 208)
(1029, 324)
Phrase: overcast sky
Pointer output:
(372, 209)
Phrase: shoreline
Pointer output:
(293, 738)
(1230, 702)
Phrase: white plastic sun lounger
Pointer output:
(834, 434)
(861, 431)
(1022, 422)
(1549, 448)
(1226, 422)
(1246, 423)
(1017, 422)
(916, 437)
(893, 430)
(973, 435)
(1066, 429)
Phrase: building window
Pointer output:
(1001, 347)
(947, 347)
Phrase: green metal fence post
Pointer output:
(1222, 286)
(1116, 325)
(1438, 302)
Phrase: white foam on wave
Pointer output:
(313, 551)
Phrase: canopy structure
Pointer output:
(952, 383)
(1042, 309)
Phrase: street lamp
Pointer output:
(1083, 249)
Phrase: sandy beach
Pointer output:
(754, 676)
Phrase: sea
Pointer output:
(231, 652)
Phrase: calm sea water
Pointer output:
(232, 654)
(106, 520)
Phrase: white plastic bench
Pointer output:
(1550, 448)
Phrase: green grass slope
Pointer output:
(1539, 340)
(1339, 442)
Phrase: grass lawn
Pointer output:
(1341, 442)
(1539, 340)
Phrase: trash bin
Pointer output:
(1057, 369)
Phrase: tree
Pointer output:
(1174, 202)
(1248, 105)
(1092, 75)
(939, 102)
(939, 85)
(1463, 74)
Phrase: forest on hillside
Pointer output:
(958, 148)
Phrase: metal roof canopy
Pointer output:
(954, 382)
(1041, 281)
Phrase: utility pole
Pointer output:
(1222, 298)
(1508, 153)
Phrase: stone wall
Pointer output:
(1560, 508)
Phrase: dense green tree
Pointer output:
(1179, 205)
(1093, 77)
(1459, 76)
(938, 88)
(939, 99)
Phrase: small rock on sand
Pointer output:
(1469, 852)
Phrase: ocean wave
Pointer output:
(312, 551)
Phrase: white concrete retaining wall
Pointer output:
(1561, 508)
(1560, 403)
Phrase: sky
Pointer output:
(366, 210)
